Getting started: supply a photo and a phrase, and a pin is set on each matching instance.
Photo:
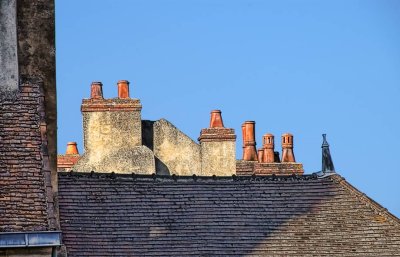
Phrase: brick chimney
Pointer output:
(250, 152)
(112, 130)
(218, 151)
(67, 161)
(268, 146)
(287, 148)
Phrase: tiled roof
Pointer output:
(124, 215)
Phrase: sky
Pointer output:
(301, 66)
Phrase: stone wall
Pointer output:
(218, 151)
(28, 179)
(113, 137)
(176, 153)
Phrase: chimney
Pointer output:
(216, 119)
(96, 91)
(218, 150)
(260, 154)
(287, 148)
(72, 149)
(123, 89)
(112, 134)
(71, 157)
(250, 152)
(268, 145)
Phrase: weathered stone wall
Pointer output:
(109, 131)
(218, 158)
(176, 153)
(138, 159)
(8, 48)
(218, 151)
(28, 178)
(112, 131)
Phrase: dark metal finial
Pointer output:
(327, 163)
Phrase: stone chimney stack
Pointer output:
(218, 150)
(268, 145)
(111, 124)
(250, 152)
(287, 148)
(112, 130)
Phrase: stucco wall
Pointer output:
(109, 131)
(176, 152)
(218, 158)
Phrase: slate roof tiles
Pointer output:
(124, 215)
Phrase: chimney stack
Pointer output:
(268, 145)
(96, 91)
(72, 149)
(123, 89)
(250, 152)
(217, 144)
(287, 148)
(216, 119)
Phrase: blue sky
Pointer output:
(305, 67)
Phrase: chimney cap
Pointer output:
(287, 135)
(97, 83)
(216, 111)
(249, 121)
(268, 135)
(123, 81)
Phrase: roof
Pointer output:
(132, 215)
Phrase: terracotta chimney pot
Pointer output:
(287, 148)
(72, 149)
(123, 89)
(216, 119)
(96, 90)
(250, 152)
(268, 145)
(260, 154)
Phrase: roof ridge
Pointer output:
(153, 176)
(369, 202)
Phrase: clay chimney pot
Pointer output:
(72, 148)
(96, 90)
(123, 89)
(216, 119)
(287, 148)
(249, 151)
(268, 145)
